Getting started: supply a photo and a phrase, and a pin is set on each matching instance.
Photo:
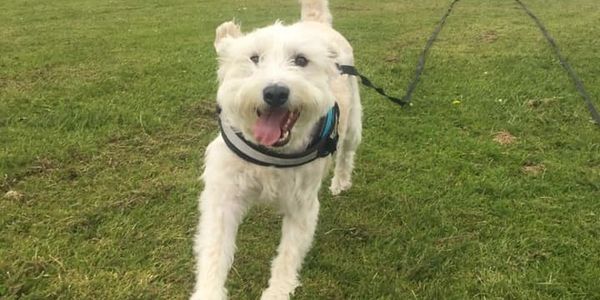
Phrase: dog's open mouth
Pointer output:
(273, 126)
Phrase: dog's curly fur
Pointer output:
(247, 64)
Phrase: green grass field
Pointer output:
(106, 108)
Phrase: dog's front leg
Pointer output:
(221, 213)
(298, 229)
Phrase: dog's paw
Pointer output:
(272, 294)
(206, 295)
(339, 185)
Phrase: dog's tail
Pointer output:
(316, 10)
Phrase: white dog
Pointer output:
(279, 93)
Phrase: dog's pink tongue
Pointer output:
(267, 129)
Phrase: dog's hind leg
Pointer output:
(349, 140)
(221, 214)
(298, 229)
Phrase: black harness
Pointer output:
(322, 145)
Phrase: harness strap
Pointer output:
(324, 145)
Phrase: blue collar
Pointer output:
(322, 145)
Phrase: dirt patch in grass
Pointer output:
(504, 138)
(391, 58)
(539, 103)
(13, 195)
(533, 169)
(489, 36)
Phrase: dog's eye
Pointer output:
(255, 58)
(300, 61)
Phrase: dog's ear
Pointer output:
(226, 32)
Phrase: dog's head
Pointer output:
(274, 82)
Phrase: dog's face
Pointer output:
(274, 83)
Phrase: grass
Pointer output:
(106, 108)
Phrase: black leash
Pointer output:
(421, 64)
(565, 64)
(351, 70)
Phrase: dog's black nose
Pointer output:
(276, 95)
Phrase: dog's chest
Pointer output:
(289, 184)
